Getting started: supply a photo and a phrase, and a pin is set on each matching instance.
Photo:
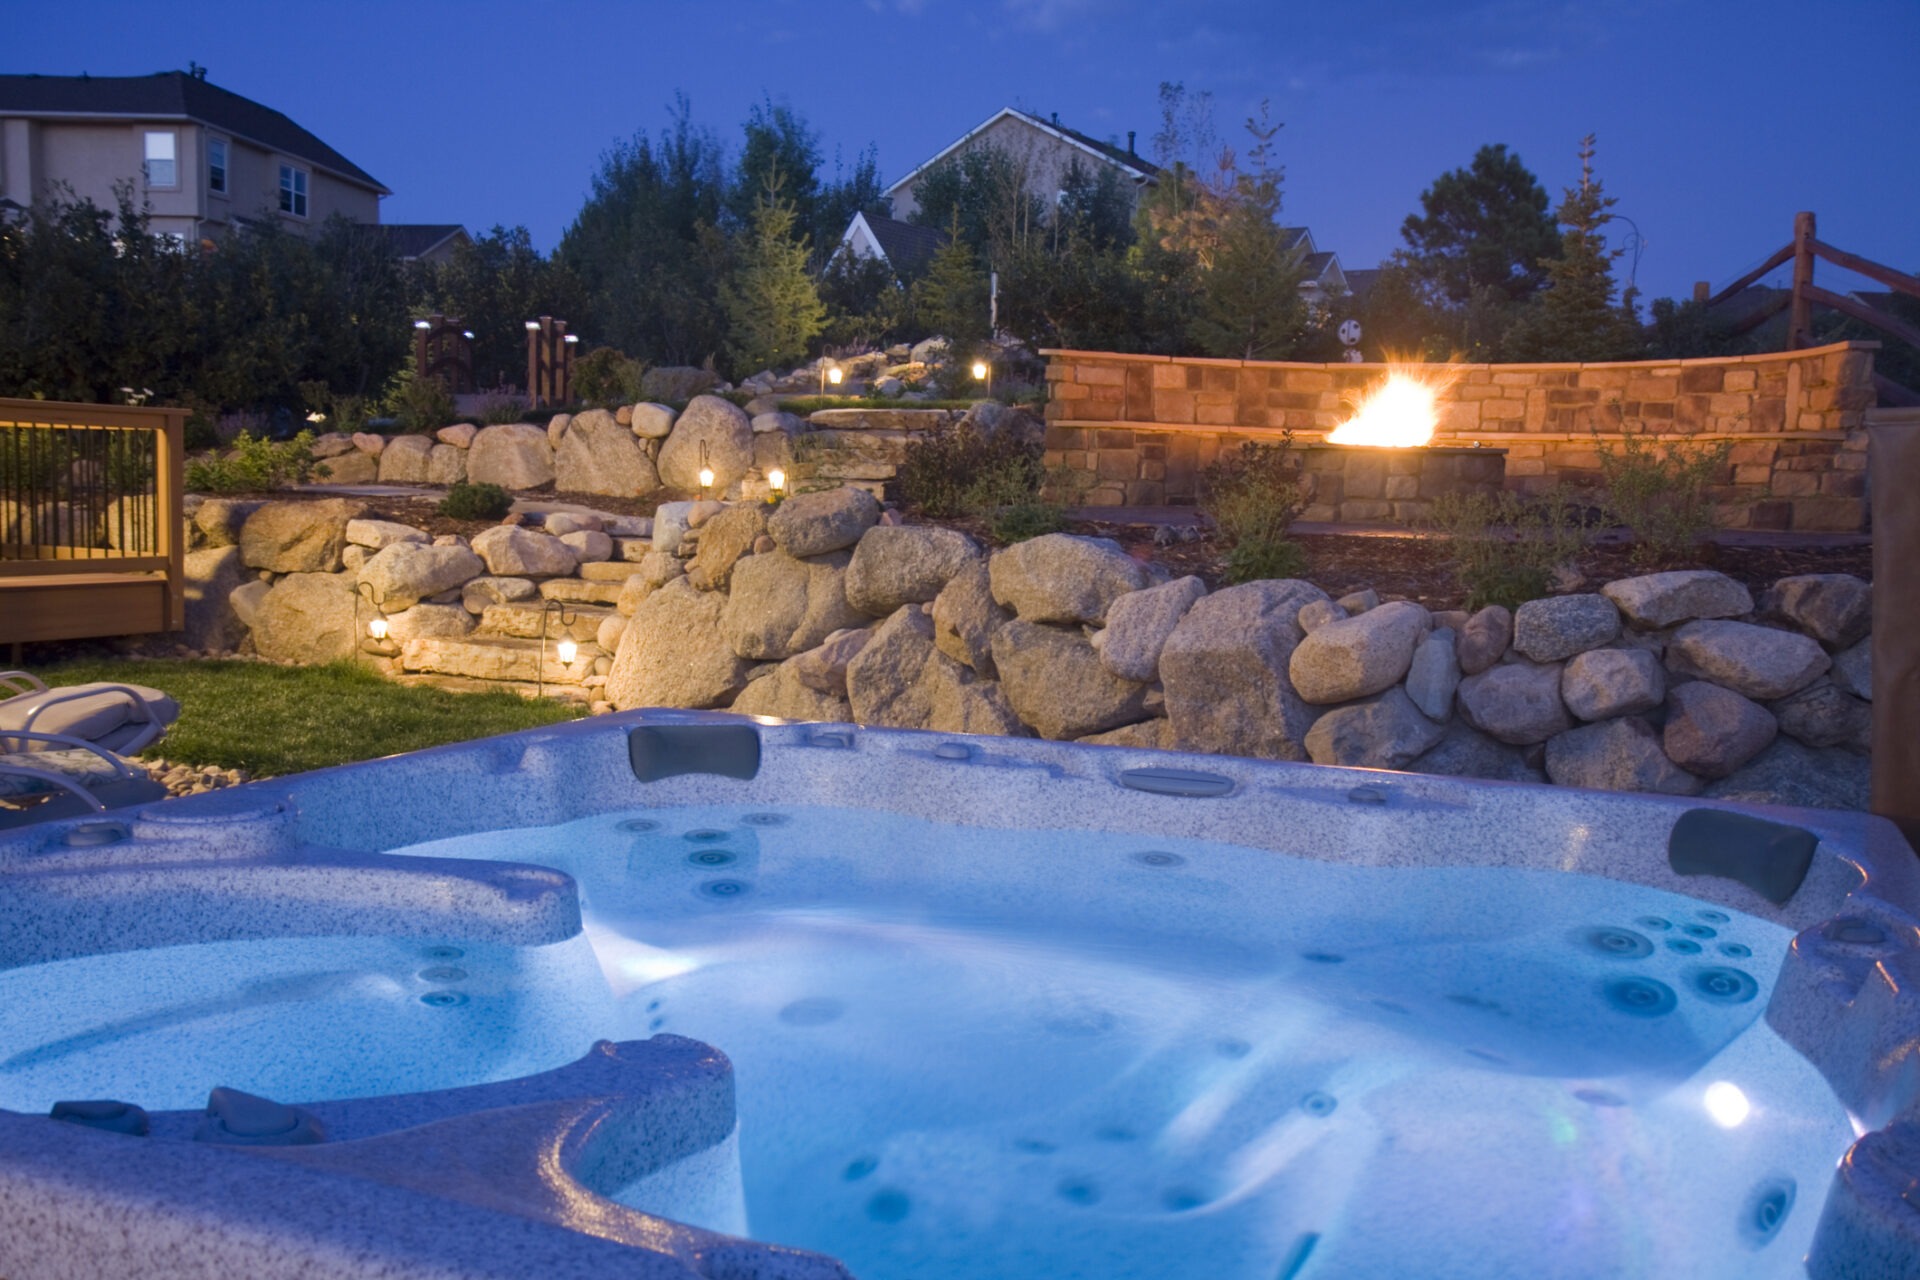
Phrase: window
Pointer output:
(293, 191)
(217, 165)
(162, 169)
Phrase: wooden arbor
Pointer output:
(549, 361)
(443, 351)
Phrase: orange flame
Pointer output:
(1401, 412)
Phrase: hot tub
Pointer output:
(914, 1005)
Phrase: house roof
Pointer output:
(1296, 238)
(174, 95)
(1106, 152)
(418, 239)
(905, 246)
(1360, 281)
(1318, 263)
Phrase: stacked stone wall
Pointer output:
(1139, 430)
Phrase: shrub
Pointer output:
(256, 465)
(957, 471)
(498, 408)
(607, 378)
(419, 405)
(1504, 547)
(1660, 492)
(1253, 497)
(475, 502)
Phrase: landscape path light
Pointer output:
(566, 650)
(776, 482)
(377, 627)
(983, 372)
(706, 471)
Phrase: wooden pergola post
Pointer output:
(549, 361)
(1800, 329)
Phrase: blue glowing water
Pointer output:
(968, 1053)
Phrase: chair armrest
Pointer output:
(13, 682)
(70, 743)
(142, 711)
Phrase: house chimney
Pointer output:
(1130, 133)
(1056, 119)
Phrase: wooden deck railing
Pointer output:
(91, 539)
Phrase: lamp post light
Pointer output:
(706, 471)
(983, 372)
(566, 650)
(377, 627)
(776, 484)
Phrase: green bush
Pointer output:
(606, 378)
(1504, 548)
(1253, 496)
(257, 465)
(498, 408)
(475, 502)
(958, 471)
(1020, 521)
(420, 405)
(1660, 492)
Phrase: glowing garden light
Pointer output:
(567, 650)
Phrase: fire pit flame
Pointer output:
(1398, 413)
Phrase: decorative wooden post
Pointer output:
(549, 361)
(1894, 471)
(1800, 330)
(442, 350)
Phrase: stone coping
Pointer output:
(1309, 436)
(1383, 366)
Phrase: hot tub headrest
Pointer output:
(668, 750)
(1771, 858)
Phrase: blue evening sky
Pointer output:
(1717, 119)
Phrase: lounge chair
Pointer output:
(121, 718)
(50, 775)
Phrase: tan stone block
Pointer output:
(1472, 393)
(1403, 486)
(1753, 473)
(1153, 471)
(1101, 375)
(1795, 484)
(1215, 415)
(1742, 380)
(1503, 410)
(1358, 509)
(1729, 404)
(1516, 378)
(1850, 462)
(1072, 391)
(1215, 398)
(1525, 450)
(1830, 515)
(1526, 466)
(1170, 377)
(1844, 484)
(1173, 406)
(1605, 379)
(1321, 513)
(1536, 419)
(1459, 416)
(1308, 380)
(1644, 388)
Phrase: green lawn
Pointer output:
(272, 720)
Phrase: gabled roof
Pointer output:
(1360, 281)
(409, 240)
(1296, 238)
(1318, 263)
(907, 246)
(174, 95)
(1105, 152)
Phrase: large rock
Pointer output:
(246, 600)
(1834, 608)
(1760, 662)
(1139, 622)
(1434, 674)
(824, 667)
(1465, 752)
(1148, 735)
(307, 619)
(714, 431)
(424, 620)
(376, 535)
(592, 547)
(723, 540)
(960, 701)
(1713, 731)
(221, 519)
(1358, 656)
(675, 654)
(895, 565)
(812, 524)
(1516, 702)
(1616, 755)
(476, 595)
(1055, 682)
(1484, 638)
(1853, 669)
(407, 572)
(404, 460)
(446, 465)
(780, 606)
(782, 693)
(1788, 773)
(353, 467)
(1384, 732)
(1060, 577)
(884, 682)
(212, 576)
(653, 421)
(678, 383)
(515, 455)
(965, 618)
(1602, 683)
(297, 537)
(1557, 627)
(460, 435)
(1823, 715)
(598, 455)
(515, 552)
(1225, 672)
(1667, 599)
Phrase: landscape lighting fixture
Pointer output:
(572, 338)
(834, 375)
(533, 326)
(421, 324)
(776, 479)
(706, 470)
(567, 650)
(377, 626)
(467, 334)
(979, 370)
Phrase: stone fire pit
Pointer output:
(1360, 483)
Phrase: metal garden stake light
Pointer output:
(706, 471)
(983, 372)
(567, 649)
(376, 625)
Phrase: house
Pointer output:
(200, 158)
(432, 242)
(905, 247)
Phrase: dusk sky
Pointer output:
(1717, 119)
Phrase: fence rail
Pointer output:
(90, 520)
(1804, 294)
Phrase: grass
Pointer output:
(804, 405)
(272, 720)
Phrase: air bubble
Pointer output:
(1181, 1199)
(1158, 858)
(1621, 944)
(1232, 1048)
(953, 751)
(724, 889)
(1323, 957)
(1725, 986)
(1115, 1133)
(443, 999)
(710, 857)
(1035, 1146)
(1641, 997)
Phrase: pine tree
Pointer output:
(772, 304)
(951, 298)
(1250, 303)
(1575, 317)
